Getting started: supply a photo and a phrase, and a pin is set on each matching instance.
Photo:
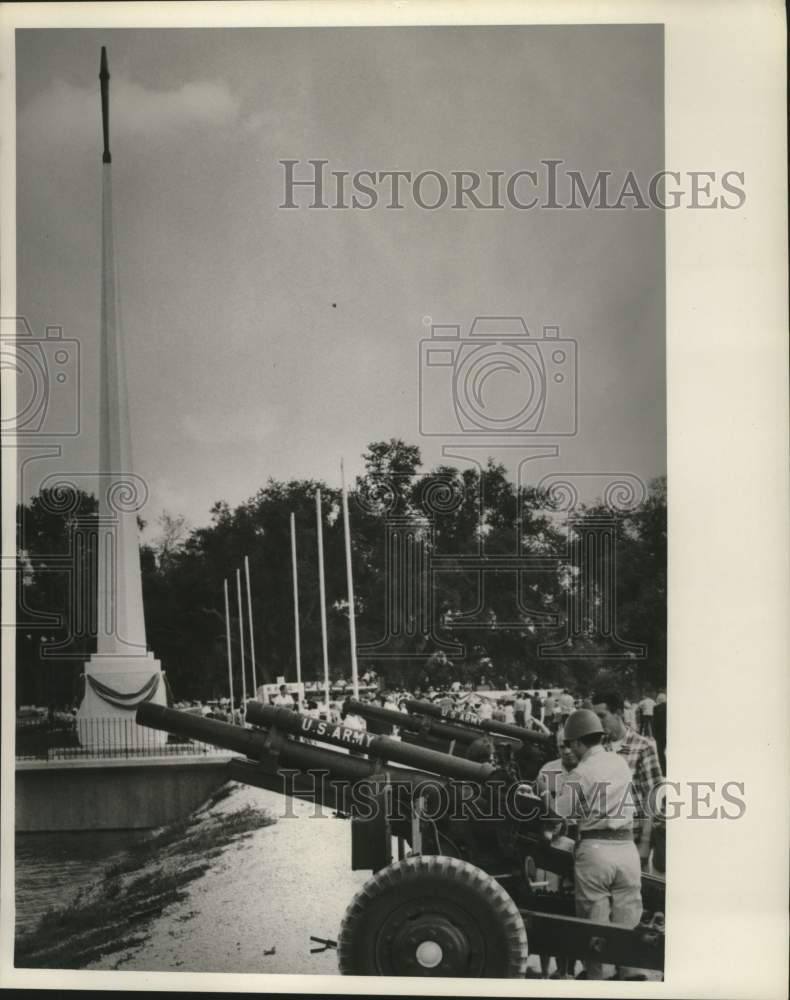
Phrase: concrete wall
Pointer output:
(113, 794)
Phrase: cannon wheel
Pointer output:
(431, 915)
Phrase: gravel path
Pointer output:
(269, 891)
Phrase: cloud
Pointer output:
(67, 113)
(232, 427)
(202, 102)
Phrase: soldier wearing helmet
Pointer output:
(598, 797)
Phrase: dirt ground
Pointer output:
(256, 907)
(260, 901)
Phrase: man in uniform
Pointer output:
(598, 797)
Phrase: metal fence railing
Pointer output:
(104, 739)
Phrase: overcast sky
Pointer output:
(264, 342)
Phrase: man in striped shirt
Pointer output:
(640, 755)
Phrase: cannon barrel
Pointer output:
(260, 746)
(489, 726)
(375, 746)
(421, 726)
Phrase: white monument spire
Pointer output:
(122, 673)
(120, 617)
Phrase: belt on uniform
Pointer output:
(622, 833)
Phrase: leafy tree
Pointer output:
(55, 613)
(466, 532)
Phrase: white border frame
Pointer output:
(727, 321)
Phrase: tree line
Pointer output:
(458, 575)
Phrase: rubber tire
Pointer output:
(434, 877)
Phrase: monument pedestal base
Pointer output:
(114, 687)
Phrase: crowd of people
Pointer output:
(543, 709)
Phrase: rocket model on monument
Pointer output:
(122, 674)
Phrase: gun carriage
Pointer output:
(454, 846)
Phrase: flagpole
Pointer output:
(352, 624)
(241, 642)
(230, 655)
(249, 622)
(320, 533)
(296, 604)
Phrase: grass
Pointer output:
(113, 915)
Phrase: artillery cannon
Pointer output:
(461, 898)
(523, 751)
(376, 746)
(491, 726)
(524, 759)
(424, 730)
